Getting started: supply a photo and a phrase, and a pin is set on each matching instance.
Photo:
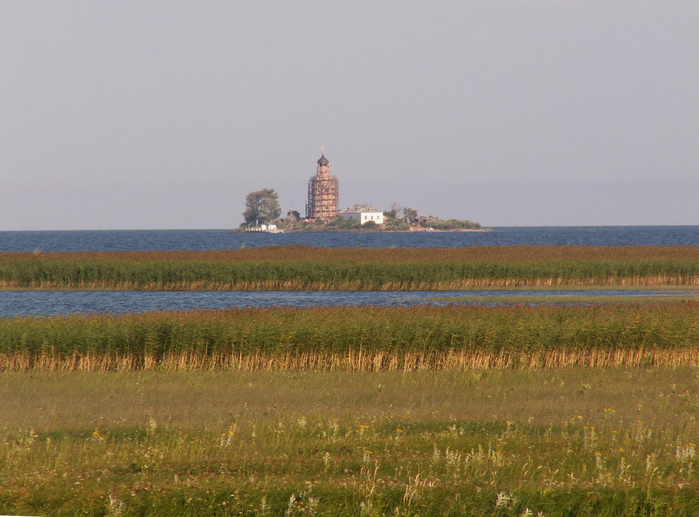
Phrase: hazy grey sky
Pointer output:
(165, 114)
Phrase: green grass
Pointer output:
(560, 442)
(304, 268)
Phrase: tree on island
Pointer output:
(409, 213)
(262, 206)
(393, 212)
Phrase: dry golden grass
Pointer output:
(358, 361)
(197, 400)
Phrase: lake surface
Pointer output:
(174, 240)
(46, 303)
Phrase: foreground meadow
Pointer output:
(556, 442)
(306, 268)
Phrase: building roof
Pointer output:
(360, 209)
(323, 160)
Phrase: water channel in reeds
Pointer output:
(49, 303)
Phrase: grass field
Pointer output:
(305, 268)
(583, 442)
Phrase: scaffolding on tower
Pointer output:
(323, 192)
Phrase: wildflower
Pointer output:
(502, 500)
(685, 453)
(435, 453)
(366, 456)
(115, 506)
(599, 462)
(622, 466)
(152, 425)
(362, 430)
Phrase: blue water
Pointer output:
(173, 240)
(46, 303)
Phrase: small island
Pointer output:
(263, 212)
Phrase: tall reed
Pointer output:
(303, 268)
(360, 338)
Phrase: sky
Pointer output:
(166, 114)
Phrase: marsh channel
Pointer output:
(51, 303)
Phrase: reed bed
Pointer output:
(306, 268)
(357, 361)
(360, 338)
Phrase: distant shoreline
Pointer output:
(378, 230)
(424, 230)
(358, 230)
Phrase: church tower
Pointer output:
(323, 192)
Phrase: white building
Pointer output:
(267, 228)
(363, 214)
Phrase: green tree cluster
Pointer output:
(262, 206)
(455, 224)
(409, 213)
